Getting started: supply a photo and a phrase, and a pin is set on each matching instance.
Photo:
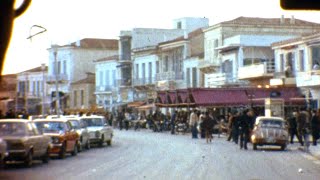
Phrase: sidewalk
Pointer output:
(315, 151)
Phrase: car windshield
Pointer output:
(12, 129)
(51, 127)
(75, 124)
(94, 121)
(270, 123)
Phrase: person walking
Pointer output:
(293, 128)
(301, 119)
(315, 125)
(193, 122)
(244, 127)
(235, 127)
(208, 124)
(172, 122)
(230, 124)
(120, 118)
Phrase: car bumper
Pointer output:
(55, 148)
(16, 155)
(95, 140)
(264, 141)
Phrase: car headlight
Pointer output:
(97, 134)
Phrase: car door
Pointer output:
(32, 140)
(41, 139)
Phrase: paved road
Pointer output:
(148, 155)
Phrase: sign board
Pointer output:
(274, 107)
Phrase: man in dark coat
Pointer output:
(244, 128)
(315, 127)
(293, 129)
(208, 124)
(173, 119)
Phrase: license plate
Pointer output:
(271, 140)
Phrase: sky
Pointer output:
(69, 20)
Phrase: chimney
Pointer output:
(292, 20)
(282, 19)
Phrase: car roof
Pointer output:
(262, 118)
(51, 120)
(15, 120)
(91, 116)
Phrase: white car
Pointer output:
(80, 126)
(99, 130)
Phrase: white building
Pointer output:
(302, 56)
(238, 52)
(32, 87)
(70, 63)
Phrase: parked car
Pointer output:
(3, 151)
(81, 128)
(270, 131)
(99, 129)
(64, 138)
(24, 141)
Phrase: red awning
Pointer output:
(219, 97)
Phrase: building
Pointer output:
(297, 60)
(82, 93)
(238, 52)
(70, 63)
(32, 89)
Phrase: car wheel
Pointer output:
(29, 159)
(283, 147)
(101, 141)
(80, 146)
(88, 145)
(46, 156)
(254, 146)
(62, 153)
(109, 142)
(75, 150)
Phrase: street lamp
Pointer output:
(56, 83)
(43, 67)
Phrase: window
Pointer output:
(82, 97)
(101, 78)
(157, 67)
(75, 98)
(301, 60)
(216, 43)
(188, 77)
(166, 64)
(137, 71)
(107, 80)
(179, 25)
(143, 72)
(315, 55)
(150, 72)
(194, 77)
(59, 67)
(114, 77)
(281, 63)
(64, 67)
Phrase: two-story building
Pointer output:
(32, 88)
(8, 92)
(70, 63)
(238, 52)
(298, 61)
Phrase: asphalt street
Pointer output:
(148, 155)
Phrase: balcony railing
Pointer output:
(105, 88)
(143, 81)
(59, 77)
(124, 82)
(170, 76)
(308, 78)
(224, 79)
(255, 71)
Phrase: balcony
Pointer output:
(255, 71)
(124, 82)
(105, 88)
(308, 78)
(62, 78)
(169, 76)
(224, 79)
(281, 78)
(143, 81)
(208, 66)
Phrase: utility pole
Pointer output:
(43, 67)
(56, 83)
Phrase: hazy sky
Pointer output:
(70, 20)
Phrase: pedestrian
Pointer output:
(126, 120)
(315, 126)
(208, 124)
(120, 118)
(292, 123)
(244, 127)
(235, 127)
(193, 122)
(230, 124)
(200, 125)
(301, 122)
(173, 119)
